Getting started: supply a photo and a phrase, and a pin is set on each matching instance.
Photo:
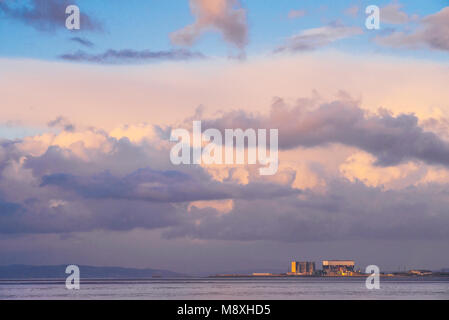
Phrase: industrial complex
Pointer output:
(329, 268)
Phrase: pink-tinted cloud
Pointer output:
(393, 14)
(294, 14)
(146, 93)
(225, 16)
(352, 11)
(432, 33)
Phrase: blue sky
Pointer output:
(141, 25)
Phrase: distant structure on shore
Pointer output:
(336, 268)
(420, 272)
(302, 268)
(329, 268)
(339, 268)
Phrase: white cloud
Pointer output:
(316, 38)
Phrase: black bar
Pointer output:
(238, 309)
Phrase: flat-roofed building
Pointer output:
(302, 267)
(338, 267)
(293, 267)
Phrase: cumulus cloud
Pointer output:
(224, 16)
(432, 32)
(391, 139)
(316, 38)
(84, 180)
(361, 166)
(136, 133)
(90, 180)
(46, 15)
(112, 56)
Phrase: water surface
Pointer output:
(229, 288)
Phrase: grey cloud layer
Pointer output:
(347, 211)
(161, 186)
(112, 56)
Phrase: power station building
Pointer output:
(302, 268)
(338, 267)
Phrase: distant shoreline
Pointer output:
(391, 276)
(206, 279)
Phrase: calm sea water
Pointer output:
(229, 288)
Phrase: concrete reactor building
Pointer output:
(338, 267)
(302, 268)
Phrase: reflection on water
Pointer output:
(229, 288)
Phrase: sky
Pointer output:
(86, 116)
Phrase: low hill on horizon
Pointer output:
(20, 271)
